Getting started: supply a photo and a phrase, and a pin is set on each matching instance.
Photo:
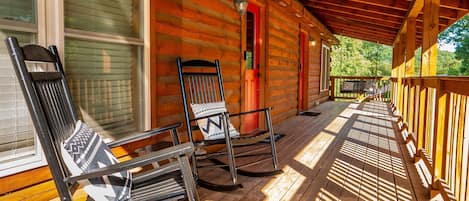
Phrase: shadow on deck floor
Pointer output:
(350, 152)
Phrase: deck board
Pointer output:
(350, 152)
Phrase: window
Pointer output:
(103, 53)
(19, 148)
(325, 67)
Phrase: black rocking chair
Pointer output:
(54, 117)
(202, 87)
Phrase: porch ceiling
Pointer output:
(378, 20)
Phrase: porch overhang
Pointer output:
(381, 21)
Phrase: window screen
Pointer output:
(103, 74)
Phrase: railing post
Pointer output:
(405, 103)
(411, 114)
(332, 97)
(440, 136)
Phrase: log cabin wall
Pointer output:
(283, 54)
(283, 57)
(192, 29)
(204, 29)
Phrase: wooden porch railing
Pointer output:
(352, 87)
(434, 118)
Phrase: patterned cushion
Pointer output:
(212, 127)
(85, 151)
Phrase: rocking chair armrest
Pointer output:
(144, 135)
(171, 152)
(252, 111)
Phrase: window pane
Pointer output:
(104, 84)
(16, 130)
(120, 17)
(18, 10)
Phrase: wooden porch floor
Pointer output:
(350, 152)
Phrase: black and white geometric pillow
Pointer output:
(212, 127)
(85, 151)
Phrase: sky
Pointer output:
(447, 47)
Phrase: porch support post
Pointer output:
(410, 47)
(429, 65)
(394, 73)
(401, 71)
(430, 37)
(409, 69)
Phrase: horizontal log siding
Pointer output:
(193, 29)
(282, 58)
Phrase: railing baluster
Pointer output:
(436, 110)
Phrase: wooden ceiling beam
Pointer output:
(355, 34)
(448, 13)
(368, 32)
(368, 14)
(318, 24)
(360, 7)
(365, 26)
(364, 32)
(393, 4)
(366, 38)
(319, 10)
(414, 10)
(355, 19)
(441, 21)
(455, 4)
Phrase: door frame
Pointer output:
(304, 50)
(262, 61)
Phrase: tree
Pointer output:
(448, 64)
(458, 35)
(354, 57)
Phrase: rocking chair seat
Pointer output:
(250, 138)
(166, 187)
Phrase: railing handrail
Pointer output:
(361, 77)
(449, 84)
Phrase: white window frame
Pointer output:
(144, 103)
(49, 30)
(37, 158)
(323, 88)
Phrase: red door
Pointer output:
(301, 84)
(251, 79)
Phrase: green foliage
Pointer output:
(448, 64)
(354, 57)
(418, 61)
(458, 35)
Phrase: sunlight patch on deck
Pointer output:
(284, 186)
(312, 153)
(336, 125)
(346, 180)
(325, 195)
(385, 162)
